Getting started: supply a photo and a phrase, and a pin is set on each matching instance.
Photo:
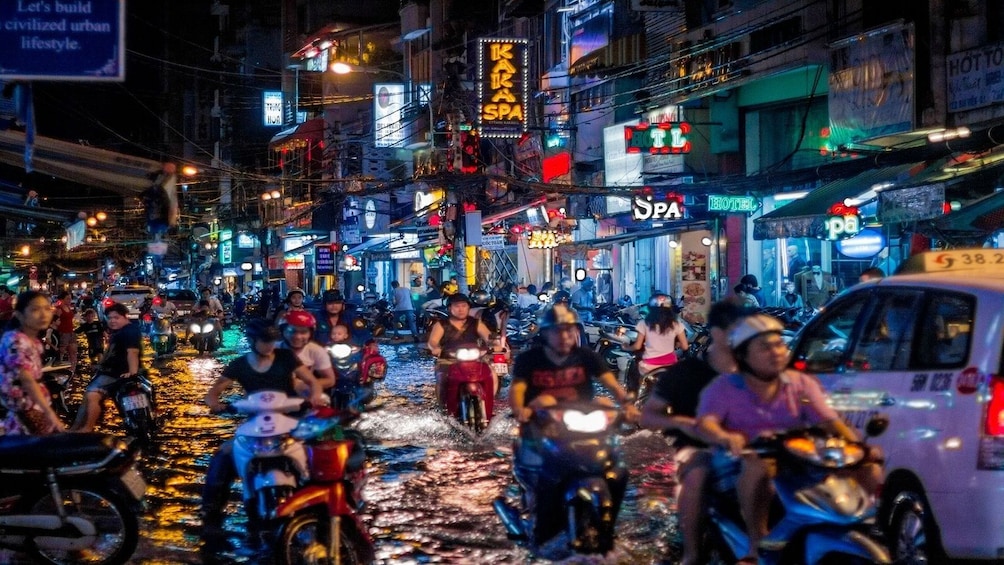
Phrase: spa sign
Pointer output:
(842, 222)
(502, 87)
(665, 138)
(647, 207)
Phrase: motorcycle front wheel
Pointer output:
(116, 524)
(304, 541)
(587, 531)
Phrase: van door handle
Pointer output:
(886, 400)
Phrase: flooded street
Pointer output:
(430, 487)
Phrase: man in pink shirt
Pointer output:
(763, 397)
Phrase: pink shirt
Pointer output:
(800, 402)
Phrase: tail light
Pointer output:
(107, 302)
(147, 317)
(498, 358)
(157, 301)
(994, 425)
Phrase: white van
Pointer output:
(925, 348)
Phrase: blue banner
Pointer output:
(62, 40)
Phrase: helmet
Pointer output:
(260, 330)
(481, 298)
(300, 319)
(752, 326)
(456, 298)
(558, 315)
(561, 296)
(333, 295)
(293, 291)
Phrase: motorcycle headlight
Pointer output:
(271, 445)
(340, 350)
(590, 423)
(207, 328)
(468, 354)
(832, 453)
(195, 329)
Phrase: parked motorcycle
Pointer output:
(56, 378)
(521, 331)
(572, 476)
(378, 316)
(319, 520)
(67, 497)
(205, 334)
(469, 386)
(163, 340)
(827, 516)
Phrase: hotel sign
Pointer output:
(732, 204)
(658, 139)
(502, 87)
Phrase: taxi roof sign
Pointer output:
(983, 260)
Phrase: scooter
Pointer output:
(568, 463)
(162, 337)
(469, 386)
(826, 516)
(56, 378)
(135, 400)
(67, 496)
(204, 335)
(355, 370)
(319, 521)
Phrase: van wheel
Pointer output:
(913, 538)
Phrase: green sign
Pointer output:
(732, 204)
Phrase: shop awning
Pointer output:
(978, 218)
(805, 217)
(369, 244)
(309, 131)
(632, 236)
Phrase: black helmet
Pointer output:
(260, 330)
(458, 297)
(558, 315)
(561, 296)
(333, 295)
(481, 298)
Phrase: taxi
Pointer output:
(925, 348)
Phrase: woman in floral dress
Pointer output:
(22, 393)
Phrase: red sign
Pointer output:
(664, 138)
(556, 165)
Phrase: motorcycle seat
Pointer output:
(57, 450)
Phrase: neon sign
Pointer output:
(645, 207)
(502, 87)
(658, 139)
(729, 203)
(842, 222)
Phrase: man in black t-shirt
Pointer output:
(672, 408)
(121, 359)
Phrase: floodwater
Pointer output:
(430, 482)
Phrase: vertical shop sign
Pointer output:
(324, 260)
(272, 108)
(502, 87)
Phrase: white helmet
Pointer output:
(752, 326)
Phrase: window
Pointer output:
(886, 342)
(826, 340)
(945, 340)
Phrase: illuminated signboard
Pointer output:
(388, 103)
(646, 207)
(735, 204)
(658, 139)
(502, 87)
(868, 243)
(324, 260)
(842, 222)
(272, 108)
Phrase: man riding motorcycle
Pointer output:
(297, 330)
(764, 396)
(458, 329)
(121, 359)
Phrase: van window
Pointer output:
(886, 341)
(826, 340)
(947, 333)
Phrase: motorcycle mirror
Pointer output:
(877, 425)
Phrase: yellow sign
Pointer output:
(502, 87)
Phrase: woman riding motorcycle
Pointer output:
(458, 329)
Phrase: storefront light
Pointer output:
(673, 244)
(580, 274)
(706, 241)
(247, 266)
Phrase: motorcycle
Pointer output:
(521, 331)
(355, 370)
(319, 520)
(827, 516)
(378, 316)
(162, 336)
(205, 335)
(56, 378)
(469, 386)
(65, 496)
(134, 398)
(568, 463)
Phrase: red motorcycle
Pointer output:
(319, 521)
(468, 390)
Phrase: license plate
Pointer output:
(135, 402)
(134, 483)
(500, 368)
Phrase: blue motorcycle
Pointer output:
(820, 514)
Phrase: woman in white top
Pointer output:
(660, 334)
